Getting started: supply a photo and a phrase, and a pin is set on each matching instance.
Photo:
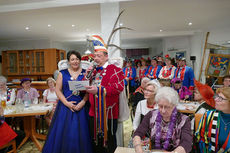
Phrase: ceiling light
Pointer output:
(49, 25)
(190, 23)
(73, 25)
(121, 24)
(27, 28)
(161, 30)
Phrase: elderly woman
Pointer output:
(138, 95)
(6, 94)
(214, 128)
(28, 91)
(148, 104)
(49, 96)
(204, 95)
(169, 129)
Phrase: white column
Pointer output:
(197, 45)
(109, 13)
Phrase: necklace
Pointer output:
(225, 124)
(74, 74)
(171, 126)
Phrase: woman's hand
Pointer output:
(79, 105)
(71, 105)
(138, 149)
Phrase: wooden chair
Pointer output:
(11, 143)
(197, 120)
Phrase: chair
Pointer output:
(11, 143)
(197, 120)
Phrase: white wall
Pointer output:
(24, 44)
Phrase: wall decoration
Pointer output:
(218, 65)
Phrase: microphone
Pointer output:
(90, 72)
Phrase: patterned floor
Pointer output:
(29, 147)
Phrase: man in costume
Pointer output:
(107, 84)
(185, 73)
(153, 70)
(130, 75)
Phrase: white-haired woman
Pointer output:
(6, 94)
(148, 104)
(169, 130)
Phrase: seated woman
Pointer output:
(214, 128)
(27, 90)
(169, 129)
(49, 96)
(148, 104)
(204, 95)
(183, 91)
(138, 95)
(5, 93)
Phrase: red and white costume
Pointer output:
(167, 72)
(111, 78)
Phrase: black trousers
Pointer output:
(112, 141)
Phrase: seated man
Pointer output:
(226, 81)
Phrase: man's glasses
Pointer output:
(219, 97)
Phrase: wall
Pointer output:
(193, 45)
(24, 44)
(155, 45)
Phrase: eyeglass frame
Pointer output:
(216, 96)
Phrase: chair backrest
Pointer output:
(11, 143)
(197, 120)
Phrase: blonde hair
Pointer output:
(225, 91)
(50, 79)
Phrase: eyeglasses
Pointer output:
(219, 98)
(146, 90)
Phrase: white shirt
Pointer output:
(141, 109)
(50, 96)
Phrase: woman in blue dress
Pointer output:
(69, 130)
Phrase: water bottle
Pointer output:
(27, 100)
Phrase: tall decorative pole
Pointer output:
(203, 55)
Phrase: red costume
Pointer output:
(111, 78)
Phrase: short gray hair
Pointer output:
(168, 94)
(145, 79)
(3, 79)
(154, 83)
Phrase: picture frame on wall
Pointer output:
(218, 65)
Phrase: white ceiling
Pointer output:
(146, 17)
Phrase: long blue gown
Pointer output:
(69, 131)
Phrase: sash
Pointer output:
(142, 73)
(166, 73)
(101, 120)
(153, 72)
(181, 73)
(128, 72)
